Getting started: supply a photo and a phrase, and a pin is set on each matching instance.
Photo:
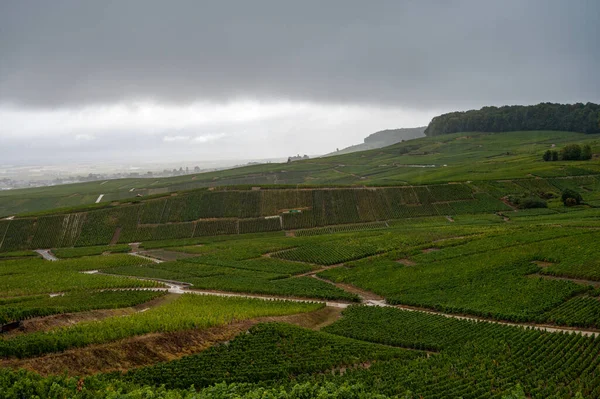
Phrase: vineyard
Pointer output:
(36, 276)
(491, 357)
(437, 290)
(187, 312)
(238, 266)
(203, 213)
(21, 308)
(268, 352)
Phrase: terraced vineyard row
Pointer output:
(206, 213)
(491, 357)
(268, 352)
(21, 308)
(38, 276)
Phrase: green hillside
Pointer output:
(429, 160)
(425, 282)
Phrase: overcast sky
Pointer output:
(144, 79)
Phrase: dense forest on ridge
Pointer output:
(583, 118)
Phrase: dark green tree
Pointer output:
(571, 152)
(584, 118)
(547, 156)
(555, 155)
(586, 152)
(571, 197)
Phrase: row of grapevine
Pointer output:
(450, 192)
(18, 234)
(491, 357)
(161, 232)
(48, 231)
(23, 308)
(299, 220)
(216, 227)
(266, 352)
(99, 226)
(345, 228)
(64, 253)
(579, 312)
(3, 229)
(260, 225)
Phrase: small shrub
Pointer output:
(547, 156)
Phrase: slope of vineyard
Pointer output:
(203, 213)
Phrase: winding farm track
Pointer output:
(367, 298)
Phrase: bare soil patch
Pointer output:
(427, 250)
(363, 294)
(542, 263)
(115, 237)
(406, 262)
(507, 202)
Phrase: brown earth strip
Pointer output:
(406, 262)
(427, 250)
(363, 294)
(47, 323)
(542, 263)
(115, 237)
(153, 348)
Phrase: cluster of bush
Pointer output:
(572, 152)
(569, 198)
(527, 202)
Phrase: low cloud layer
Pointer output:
(425, 54)
(161, 80)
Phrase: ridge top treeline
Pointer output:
(579, 117)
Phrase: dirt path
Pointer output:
(179, 287)
(593, 283)
(46, 254)
(540, 327)
(115, 238)
(155, 260)
(157, 347)
(370, 299)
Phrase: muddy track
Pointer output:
(157, 347)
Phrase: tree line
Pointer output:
(583, 118)
(571, 152)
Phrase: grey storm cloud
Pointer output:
(418, 54)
